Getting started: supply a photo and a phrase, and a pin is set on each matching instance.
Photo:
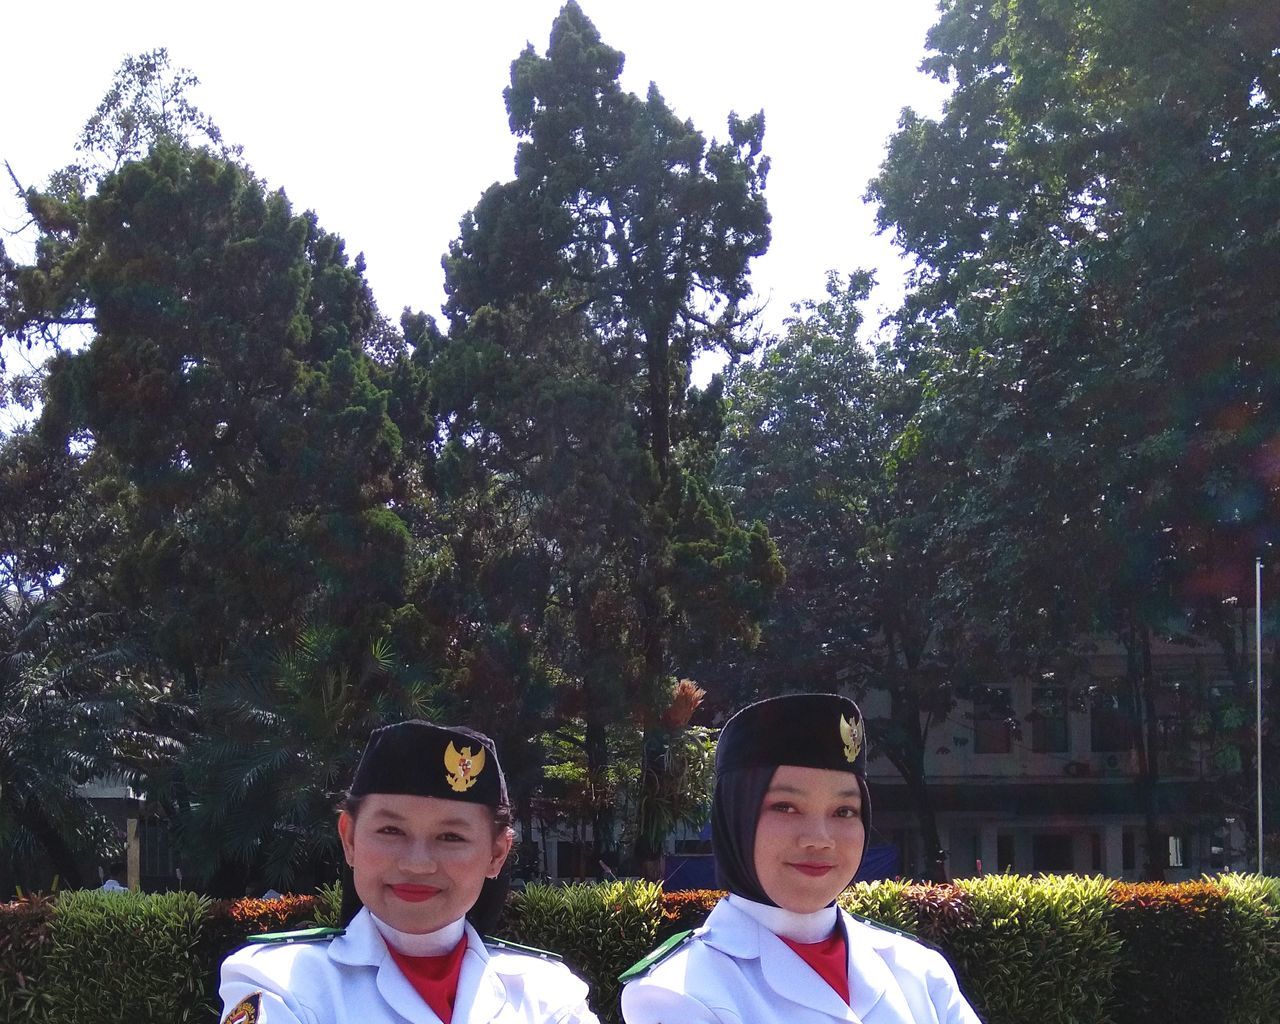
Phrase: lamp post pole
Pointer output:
(1257, 636)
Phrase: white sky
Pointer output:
(387, 118)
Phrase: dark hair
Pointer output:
(484, 914)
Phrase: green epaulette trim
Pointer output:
(881, 926)
(656, 957)
(303, 935)
(546, 954)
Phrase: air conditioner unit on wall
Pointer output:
(1077, 769)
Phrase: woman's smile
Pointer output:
(813, 870)
(809, 837)
(450, 847)
(412, 893)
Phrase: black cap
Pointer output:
(810, 730)
(419, 758)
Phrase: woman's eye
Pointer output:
(452, 837)
(782, 807)
(390, 830)
(848, 812)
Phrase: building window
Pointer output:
(1175, 852)
(571, 859)
(1051, 853)
(992, 720)
(1049, 720)
(1004, 852)
(155, 862)
(1110, 723)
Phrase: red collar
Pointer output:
(435, 978)
(829, 958)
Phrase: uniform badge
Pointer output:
(464, 767)
(851, 733)
(245, 1012)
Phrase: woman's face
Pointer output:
(419, 861)
(809, 838)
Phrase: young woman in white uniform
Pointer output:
(789, 823)
(426, 832)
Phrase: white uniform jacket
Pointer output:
(351, 979)
(734, 970)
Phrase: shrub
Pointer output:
(117, 956)
(600, 930)
(1037, 950)
(228, 923)
(1179, 963)
(1053, 950)
(328, 905)
(1255, 905)
(686, 909)
(885, 902)
(24, 940)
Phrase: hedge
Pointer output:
(24, 941)
(1049, 950)
(114, 956)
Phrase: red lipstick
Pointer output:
(813, 870)
(414, 893)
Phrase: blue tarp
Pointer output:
(698, 871)
(879, 862)
(689, 871)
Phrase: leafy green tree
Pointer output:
(216, 464)
(226, 383)
(283, 733)
(626, 234)
(148, 102)
(80, 693)
(1091, 217)
(814, 449)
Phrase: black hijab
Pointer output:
(810, 730)
(735, 811)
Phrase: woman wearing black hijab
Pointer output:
(789, 824)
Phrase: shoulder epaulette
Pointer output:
(545, 954)
(303, 935)
(656, 957)
(882, 927)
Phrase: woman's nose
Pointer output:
(817, 833)
(419, 857)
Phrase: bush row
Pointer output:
(1052, 950)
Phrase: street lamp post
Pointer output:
(1257, 637)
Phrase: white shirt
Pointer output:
(736, 970)
(352, 979)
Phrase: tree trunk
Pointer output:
(1145, 733)
(649, 840)
(921, 800)
(659, 353)
(908, 758)
(602, 823)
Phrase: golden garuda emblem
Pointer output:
(464, 767)
(851, 733)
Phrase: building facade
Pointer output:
(1043, 776)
